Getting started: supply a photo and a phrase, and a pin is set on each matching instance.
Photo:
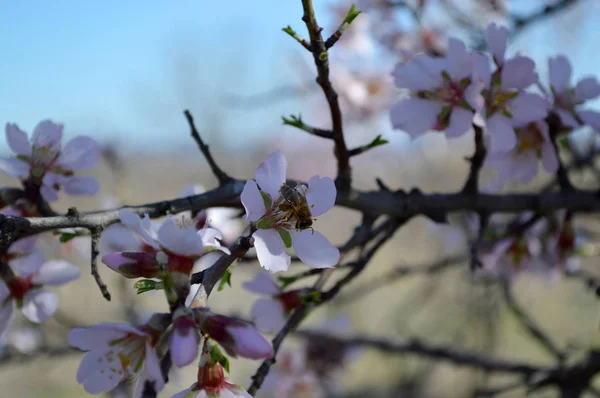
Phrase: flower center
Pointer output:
(289, 300)
(181, 264)
(130, 352)
(211, 378)
(530, 138)
(18, 286)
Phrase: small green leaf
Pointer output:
(288, 29)
(286, 281)
(286, 237)
(446, 76)
(264, 223)
(267, 199)
(217, 356)
(146, 285)
(295, 121)
(67, 236)
(564, 142)
(352, 13)
(225, 280)
(378, 141)
(311, 298)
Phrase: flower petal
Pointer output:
(560, 72)
(270, 251)
(320, 195)
(482, 71)
(39, 305)
(460, 122)
(415, 116)
(14, 167)
(17, 140)
(6, 310)
(47, 134)
(48, 193)
(314, 249)
(81, 153)
(184, 393)
(252, 201)
(528, 107)
(590, 117)
(249, 343)
(587, 89)
(270, 174)
(100, 381)
(81, 186)
(518, 72)
(567, 118)
(185, 242)
(502, 133)
(420, 73)
(28, 264)
(497, 37)
(150, 373)
(56, 273)
(459, 63)
(118, 238)
(142, 227)
(262, 284)
(93, 338)
(268, 315)
(549, 158)
(184, 345)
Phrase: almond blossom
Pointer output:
(262, 198)
(441, 93)
(521, 162)
(46, 164)
(116, 353)
(184, 339)
(26, 291)
(567, 99)
(270, 315)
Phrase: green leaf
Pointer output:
(146, 285)
(295, 121)
(564, 142)
(311, 298)
(352, 13)
(286, 237)
(217, 356)
(288, 29)
(225, 280)
(67, 236)
(286, 281)
(378, 141)
(267, 199)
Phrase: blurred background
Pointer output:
(123, 72)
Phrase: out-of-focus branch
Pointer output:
(46, 351)
(222, 177)
(520, 22)
(321, 58)
(95, 238)
(472, 184)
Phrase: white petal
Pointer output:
(587, 89)
(142, 227)
(56, 273)
(14, 167)
(39, 305)
(590, 117)
(458, 61)
(24, 245)
(502, 133)
(268, 315)
(460, 122)
(482, 72)
(183, 347)
(81, 153)
(49, 193)
(415, 116)
(47, 134)
(270, 174)
(81, 186)
(560, 71)
(518, 72)
(321, 195)
(252, 201)
(185, 242)
(91, 362)
(497, 37)
(6, 310)
(269, 250)
(210, 237)
(184, 393)
(419, 73)
(528, 107)
(28, 264)
(262, 284)
(100, 381)
(93, 338)
(526, 167)
(118, 238)
(549, 158)
(314, 249)
(17, 140)
(151, 372)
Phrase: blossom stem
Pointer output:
(95, 238)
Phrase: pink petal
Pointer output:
(560, 72)
(527, 108)
(184, 393)
(502, 133)
(184, 345)
(82, 186)
(141, 227)
(590, 117)
(587, 89)
(567, 118)
(549, 158)
(314, 249)
(119, 238)
(28, 264)
(518, 72)
(252, 201)
(270, 251)
(473, 96)
(56, 273)
(415, 116)
(526, 167)
(497, 37)
(270, 174)
(47, 134)
(14, 167)
(151, 372)
(460, 122)
(81, 153)
(6, 310)
(419, 73)
(268, 315)
(249, 343)
(262, 284)
(321, 195)
(39, 305)
(481, 69)
(17, 140)
(49, 193)
(458, 61)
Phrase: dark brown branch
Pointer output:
(344, 177)
(95, 234)
(220, 174)
(472, 184)
(530, 325)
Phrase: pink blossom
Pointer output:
(49, 166)
(212, 383)
(568, 100)
(312, 247)
(184, 340)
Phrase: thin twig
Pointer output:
(96, 232)
(472, 184)
(220, 174)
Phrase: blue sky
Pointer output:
(129, 68)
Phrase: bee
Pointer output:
(296, 206)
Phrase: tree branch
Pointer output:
(95, 233)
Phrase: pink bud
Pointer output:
(133, 264)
